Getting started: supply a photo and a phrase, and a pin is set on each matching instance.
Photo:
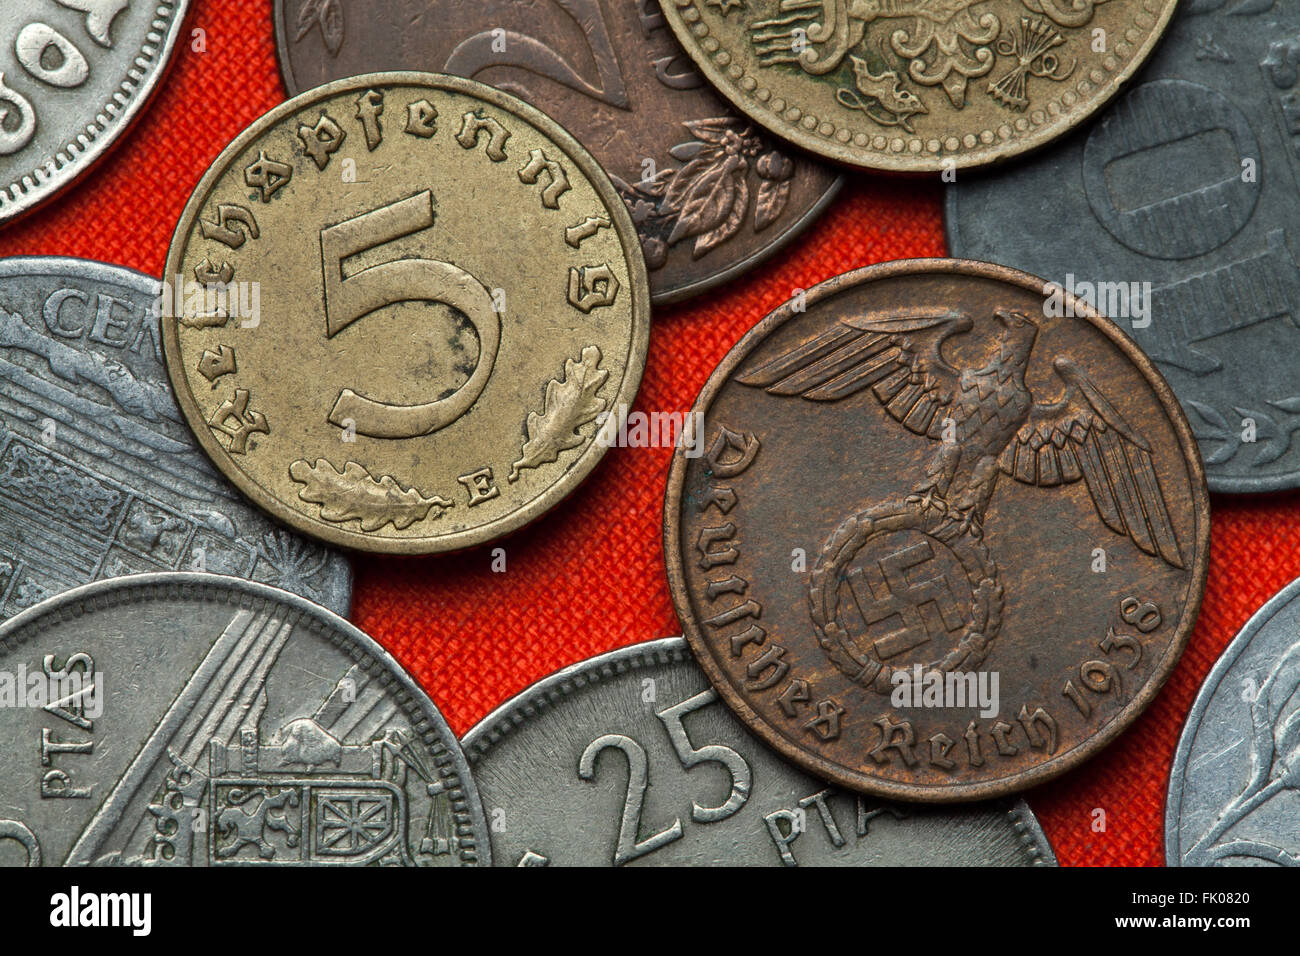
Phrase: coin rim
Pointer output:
(1204, 695)
(952, 792)
(551, 691)
(14, 267)
(986, 156)
(93, 270)
(572, 474)
(670, 296)
(1220, 484)
(108, 134)
(131, 589)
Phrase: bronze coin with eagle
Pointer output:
(943, 534)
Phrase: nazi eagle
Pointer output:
(995, 425)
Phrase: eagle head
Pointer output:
(1019, 332)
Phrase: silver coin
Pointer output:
(1177, 214)
(631, 758)
(99, 475)
(74, 74)
(193, 719)
(1235, 785)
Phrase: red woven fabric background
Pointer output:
(589, 577)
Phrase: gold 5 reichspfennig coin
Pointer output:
(396, 307)
(916, 86)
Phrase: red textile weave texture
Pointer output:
(589, 577)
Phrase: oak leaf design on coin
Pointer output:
(1275, 769)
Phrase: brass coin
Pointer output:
(398, 305)
(711, 194)
(918, 85)
(948, 535)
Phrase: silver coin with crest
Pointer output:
(1235, 785)
(631, 758)
(199, 720)
(99, 475)
(74, 75)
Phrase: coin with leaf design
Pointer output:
(711, 193)
(396, 309)
(1236, 778)
(918, 85)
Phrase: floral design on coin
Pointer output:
(74, 75)
(918, 85)
(1237, 766)
(707, 198)
(990, 423)
(99, 474)
(397, 389)
(197, 720)
(611, 72)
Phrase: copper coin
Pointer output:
(919, 85)
(946, 535)
(396, 308)
(711, 194)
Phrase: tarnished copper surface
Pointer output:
(937, 467)
(711, 194)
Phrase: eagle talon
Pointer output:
(969, 522)
(929, 501)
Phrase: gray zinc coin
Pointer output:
(74, 75)
(1178, 215)
(99, 474)
(630, 757)
(1235, 784)
(193, 719)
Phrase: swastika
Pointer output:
(882, 591)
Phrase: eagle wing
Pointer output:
(899, 356)
(1084, 436)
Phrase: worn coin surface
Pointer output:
(426, 294)
(1178, 214)
(1236, 776)
(943, 543)
(191, 719)
(633, 750)
(710, 193)
(918, 85)
(99, 474)
(74, 74)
